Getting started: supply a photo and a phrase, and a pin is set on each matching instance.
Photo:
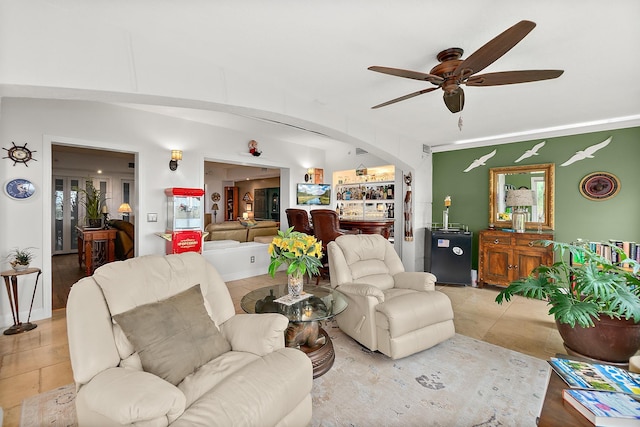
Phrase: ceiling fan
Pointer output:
(452, 72)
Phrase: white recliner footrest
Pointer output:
(409, 312)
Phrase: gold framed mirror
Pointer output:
(540, 179)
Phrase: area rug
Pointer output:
(54, 408)
(461, 382)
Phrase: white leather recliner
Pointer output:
(392, 311)
(253, 380)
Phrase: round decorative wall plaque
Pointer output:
(19, 189)
(599, 186)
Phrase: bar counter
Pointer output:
(381, 226)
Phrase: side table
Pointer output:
(11, 282)
(95, 247)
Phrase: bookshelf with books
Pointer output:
(614, 251)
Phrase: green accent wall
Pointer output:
(575, 216)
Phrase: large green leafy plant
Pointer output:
(91, 198)
(580, 292)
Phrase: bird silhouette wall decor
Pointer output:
(481, 161)
(532, 152)
(587, 153)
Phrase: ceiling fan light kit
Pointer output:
(453, 71)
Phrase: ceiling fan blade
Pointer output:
(402, 98)
(512, 77)
(416, 75)
(494, 49)
(454, 100)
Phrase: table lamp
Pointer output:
(125, 210)
(215, 209)
(519, 200)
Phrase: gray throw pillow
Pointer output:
(173, 337)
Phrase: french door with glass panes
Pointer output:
(65, 214)
(128, 196)
(68, 212)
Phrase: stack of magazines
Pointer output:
(606, 395)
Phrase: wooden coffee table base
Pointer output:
(322, 356)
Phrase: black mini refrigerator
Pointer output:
(448, 256)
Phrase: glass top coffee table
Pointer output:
(304, 331)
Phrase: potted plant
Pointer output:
(91, 198)
(595, 301)
(20, 258)
(301, 252)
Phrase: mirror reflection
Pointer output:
(531, 190)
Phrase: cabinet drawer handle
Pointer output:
(496, 241)
(515, 266)
(510, 267)
(531, 244)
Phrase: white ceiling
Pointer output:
(316, 55)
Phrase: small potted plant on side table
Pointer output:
(595, 302)
(20, 258)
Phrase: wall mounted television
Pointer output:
(313, 194)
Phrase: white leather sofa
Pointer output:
(114, 319)
(392, 311)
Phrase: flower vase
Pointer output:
(295, 283)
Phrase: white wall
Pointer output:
(150, 137)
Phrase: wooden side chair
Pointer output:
(299, 220)
(326, 228)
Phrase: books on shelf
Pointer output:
(604, 408)
(595, 376)
(631, 249)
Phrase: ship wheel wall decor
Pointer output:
(19, 154)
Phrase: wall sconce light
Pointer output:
(175, 156)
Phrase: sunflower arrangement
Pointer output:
(300, 251)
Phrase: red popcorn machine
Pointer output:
(184, 220)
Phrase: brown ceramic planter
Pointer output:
(611, 340)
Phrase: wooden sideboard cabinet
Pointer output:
(95, 247)
(505, 256)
